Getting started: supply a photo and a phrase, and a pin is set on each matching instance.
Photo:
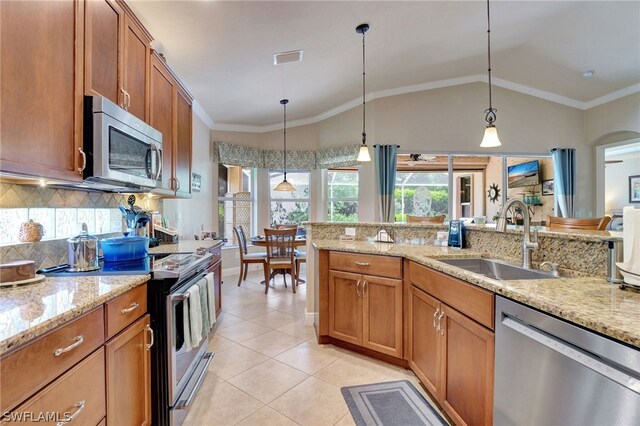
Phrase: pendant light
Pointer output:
(490, 139)
(285, 186)
(363, 154)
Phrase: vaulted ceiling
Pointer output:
(223, 50)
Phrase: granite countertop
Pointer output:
(587, 301)
(188, 246)
(29, 311)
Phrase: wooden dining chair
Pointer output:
(425, 219)
(590, 223)
(245, 257)
(280, 255)
(301, 257)
(286, 227)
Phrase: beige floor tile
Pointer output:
(226, 319)
(274, 319)
(350, 370)
(243, 331)
(267, 417)
(300, 329)
(219, 403)
(268, 380)
(250, 310)
(272, 343)
(234, 361)
(218, 343)
(309, 357)
(346, 420)
(312, 402)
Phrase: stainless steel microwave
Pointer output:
(123, 153)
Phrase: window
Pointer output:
(235, 200)
(289, 207)
(342, 195)
(421, 193)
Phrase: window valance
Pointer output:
(242, 155)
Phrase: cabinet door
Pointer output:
(424, 340)
(161, 113)
(467, 394)
(182, 152)
(136, 55)
(41, 88)
(382, 326)
(345, 306)
(103, 64)
(128, 367)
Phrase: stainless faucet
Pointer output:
(527, 244)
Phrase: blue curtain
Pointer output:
(564, 175)
(386, 159)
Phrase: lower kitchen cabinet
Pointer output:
(128, 372)
(366, 310)
(424, 339)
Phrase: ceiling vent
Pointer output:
(287, 57)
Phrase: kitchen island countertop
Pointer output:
(29, 311)
(590, 302)
(187, 246)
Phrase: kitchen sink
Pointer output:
(497, 269)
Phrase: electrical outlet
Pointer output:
(350, 231)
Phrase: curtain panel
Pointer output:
(564, 174)
(386, 161)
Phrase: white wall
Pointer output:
(617, 180)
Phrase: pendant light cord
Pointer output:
(364, 134)
(490, 114)
(285, 141)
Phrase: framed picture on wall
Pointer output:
(547, 187)
(634, 189)
(196, 182)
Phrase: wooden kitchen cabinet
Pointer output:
(452, 350)
(41, 88)
(117, 53)
(182, 152)
(128, 375)
(345, 307)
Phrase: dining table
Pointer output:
(261, 241)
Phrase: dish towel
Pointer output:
(186, 327)
(195, 315)
(204, 306)
(631, 237)
(211, 296)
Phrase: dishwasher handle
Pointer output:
(573, 353)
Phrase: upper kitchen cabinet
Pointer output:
(170, 109)
(41, 88)
(116, 55)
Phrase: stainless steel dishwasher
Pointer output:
(550, 372)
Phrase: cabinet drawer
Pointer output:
(370, 264)
(80, 393)
(125, 309)
(28, 369)
(472, 301)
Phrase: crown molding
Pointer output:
(202, 114)
(477, 78)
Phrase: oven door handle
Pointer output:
(203, 366)
(180, 297)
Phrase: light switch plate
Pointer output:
(350, 231)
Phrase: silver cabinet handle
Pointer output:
(84, 161)
(127, 96)
(131, 308)
(79, 407)
(364, 288)
(435, 315)
(123, 105)
(440, 329)
(177, 184)
(78, 342)
(150, 330)
(362, 263)
(358, 289)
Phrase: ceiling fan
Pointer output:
(613, 161)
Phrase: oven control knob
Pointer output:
(201, 251)
(171, 265)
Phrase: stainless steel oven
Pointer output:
(121, 150)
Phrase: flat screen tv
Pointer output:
(524, 174)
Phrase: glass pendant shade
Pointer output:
(284, 186)
(363, 155)
(490, 139)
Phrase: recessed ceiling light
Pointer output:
(287, 57)
(588, 74)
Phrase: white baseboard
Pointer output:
(226, 272)
(308, 317)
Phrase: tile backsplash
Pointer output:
(60, 211)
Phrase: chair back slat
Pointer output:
(591, 223)
(286, 227)
(238, 234)
(280, 244)
(244, 239)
